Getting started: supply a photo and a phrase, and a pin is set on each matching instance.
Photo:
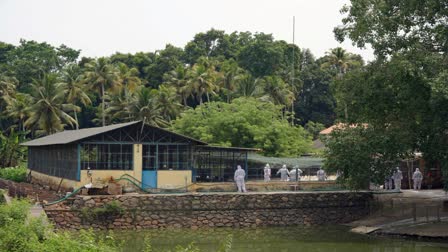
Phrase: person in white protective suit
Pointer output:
(388, 183)
(240, 174)
(398, 176)
(267, 173)
(295, 172)
(321, 175)
(284, 173)
(417, 177)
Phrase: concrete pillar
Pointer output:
(138, 161)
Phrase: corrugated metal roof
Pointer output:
(69, 136)
(229, 148)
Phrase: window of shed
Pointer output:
(107, 156)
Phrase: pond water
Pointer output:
(275, 239)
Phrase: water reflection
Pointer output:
(276, 239)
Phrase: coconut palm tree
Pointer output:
(342, 61)
(73, 80)
(101, 76)
(248, 86)
(18, 109)
(178, 78)
(168, 103)
(48, 112)
(7, 89)
(277, 90)
(202, 78)
(128, 77)
(229, 77)
(144, 106)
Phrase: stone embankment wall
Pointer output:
(213, 210)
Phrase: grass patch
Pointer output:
(16, 174)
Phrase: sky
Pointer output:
(103, 27)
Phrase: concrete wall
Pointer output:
(173, 179)
(214, 210)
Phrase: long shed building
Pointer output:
(155, 157)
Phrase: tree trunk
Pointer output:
(345, 112)
(76, 119)
(102, 105)
(208, 97)
(185, 101)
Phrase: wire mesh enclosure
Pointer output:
(215, 164)
(106, 156)
(55, 160)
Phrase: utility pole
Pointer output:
(292, 70)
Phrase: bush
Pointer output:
(17, 233)
(16, 174)
(110, 209)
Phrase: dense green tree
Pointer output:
(244, 122)
(315, 101)
(409, 39)
(31, 60)
(163, 61)
(262, 56)
(363, 154)
(396, 26)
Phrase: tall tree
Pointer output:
(73, 80)
(144, 107)
(230, 73)
(18, 109)
(341, 61)
(101, 76)
(48, 114)
(202, 78)
(178, 78)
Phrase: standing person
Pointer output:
(295, 172)
(417, 177)
(321, 175)
(267, 173)
(398, 176)
(388, 182)
(240, 174)
(284, 173)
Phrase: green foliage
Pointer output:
(245, 122)
(109, 209)
(19, 232)
(314, 128)
(11, 153)
(17, 174)
(362, 154)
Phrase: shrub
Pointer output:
(17, 233)
(16, 174)
(109, 209)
